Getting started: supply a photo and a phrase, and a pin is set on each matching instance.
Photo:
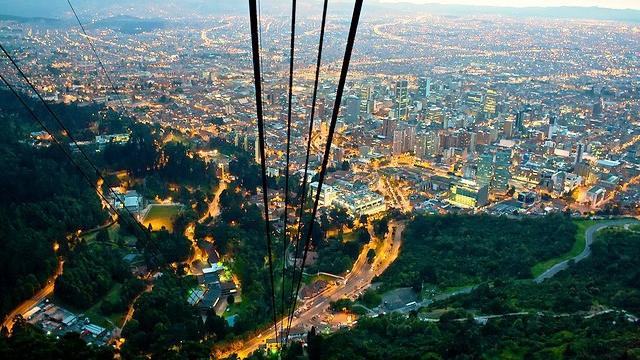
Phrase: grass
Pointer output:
(577, 248)
(161, 215)
(635, 227)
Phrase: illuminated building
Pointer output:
(468, 194)
(424, 86)
(490, 103)
(484, 172)
(501, 171)
(402, 99)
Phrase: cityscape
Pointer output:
(479, 119)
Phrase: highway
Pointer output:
(358, 279)
(35, 299)
(587, 249)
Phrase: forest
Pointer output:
(609, 278)
(461, 250)
(45, 198)
(585, 312)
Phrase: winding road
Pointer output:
(552, 271)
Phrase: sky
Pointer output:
(613, 4)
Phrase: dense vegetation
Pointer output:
(455, 250)
(162, 319)
(336, 255)
(239, 233)
(89, 274)
(44, 199)
(608, 278)
(456, 336)
(583, 312)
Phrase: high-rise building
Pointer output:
(435, 115)
(388, 127)
(501, 171)
(402, 99)
(421, 145)
(579, 153)
(404, 139)
(474, 98)
(352, 112)
(424, 86)
(484, 171)
(490, 102)
(366, 102)
(509, 127)
(432, 144)
(258, 158)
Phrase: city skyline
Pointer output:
(495, 136)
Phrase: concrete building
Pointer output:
(484, 171)
(501, 171)
(327, 195)
(404, 138)
(362, 202)
(596, 195)
(352, 110)
(468, 194)
(490, 100)
(402, 100)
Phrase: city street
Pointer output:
(359, 278)
(35, 299)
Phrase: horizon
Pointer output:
(612, 4)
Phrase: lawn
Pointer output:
(161, 215)
(635, 227)
(577, 248)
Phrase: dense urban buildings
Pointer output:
(514, 116)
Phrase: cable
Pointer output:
(75, 164)
(255, 47)
(97, 172)
(106, 73)
(334, 117)
(292, 300)
(286, 179)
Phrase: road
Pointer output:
(587, 249)
(35, 299)
(214, 208)
(358, 279)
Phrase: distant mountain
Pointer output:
(22, 19)
(565, 12)
(129, 24)
(188, 8)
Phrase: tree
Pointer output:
(103, 236)
(371, 254)
(345, 165)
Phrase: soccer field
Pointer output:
(159, 215)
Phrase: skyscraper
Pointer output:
(579, 153)
(404, 138)
(484, 172)
(352, 110)
(402, 99)
(424, 86)
(388, 126)
(490, 102)
(501, 171)
(432, 144)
